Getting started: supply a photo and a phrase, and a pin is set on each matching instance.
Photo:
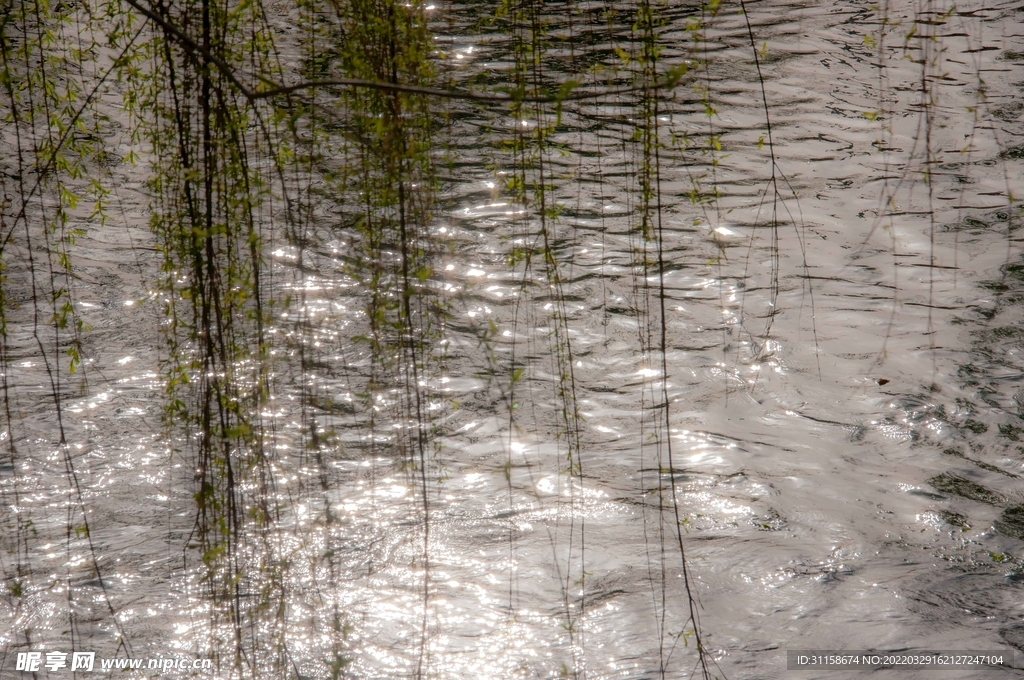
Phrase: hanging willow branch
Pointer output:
(566, 91)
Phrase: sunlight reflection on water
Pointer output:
(806, 485)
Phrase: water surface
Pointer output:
(844, 387)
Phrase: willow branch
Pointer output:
(273, 89)
(467, 95)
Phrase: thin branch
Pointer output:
(274, 89)
(467, 95)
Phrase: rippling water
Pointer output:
(850, 480)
